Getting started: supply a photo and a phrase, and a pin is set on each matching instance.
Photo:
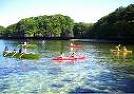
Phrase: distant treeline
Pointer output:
(117, 25)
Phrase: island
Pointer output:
(117, 25)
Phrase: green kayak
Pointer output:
(21, 55)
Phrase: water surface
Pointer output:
(101, 71)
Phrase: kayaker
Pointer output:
(6, 49)
(62, 55)
(14, 50)
(118, 47)
(73, 54)
(125, 49)
(24, 50)
(25, 43)
(20, 50)
(71, 44)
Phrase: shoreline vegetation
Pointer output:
(116, 26)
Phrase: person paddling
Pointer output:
(20, 50)
(71, 44)
(6, 49)
(25, 43)
(14, 50)
(118, 47)
(73, 54)
(125, 49)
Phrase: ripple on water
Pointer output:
(81, 90)
(99, 73)
(54, 71)
(57, 85)
(4, 86)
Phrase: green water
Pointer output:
(101, 71)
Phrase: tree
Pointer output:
(118, 24)
(82, 30)
(2, 29)
(43, 26)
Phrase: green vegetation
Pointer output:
(21, 56)
(10, 31)
(1, 30)
(42, 26)
(117, 25)
(81, 30)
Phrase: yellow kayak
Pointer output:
(121, 51)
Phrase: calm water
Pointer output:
(99, 72)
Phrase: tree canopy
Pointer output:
(82, 29)
(42, 26)
(118, 24)
(1, 30)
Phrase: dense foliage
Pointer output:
(1, 30)
(81, 29)
(42, 26)
(118, 24)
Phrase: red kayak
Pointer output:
(75, 46)
(69, 58)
